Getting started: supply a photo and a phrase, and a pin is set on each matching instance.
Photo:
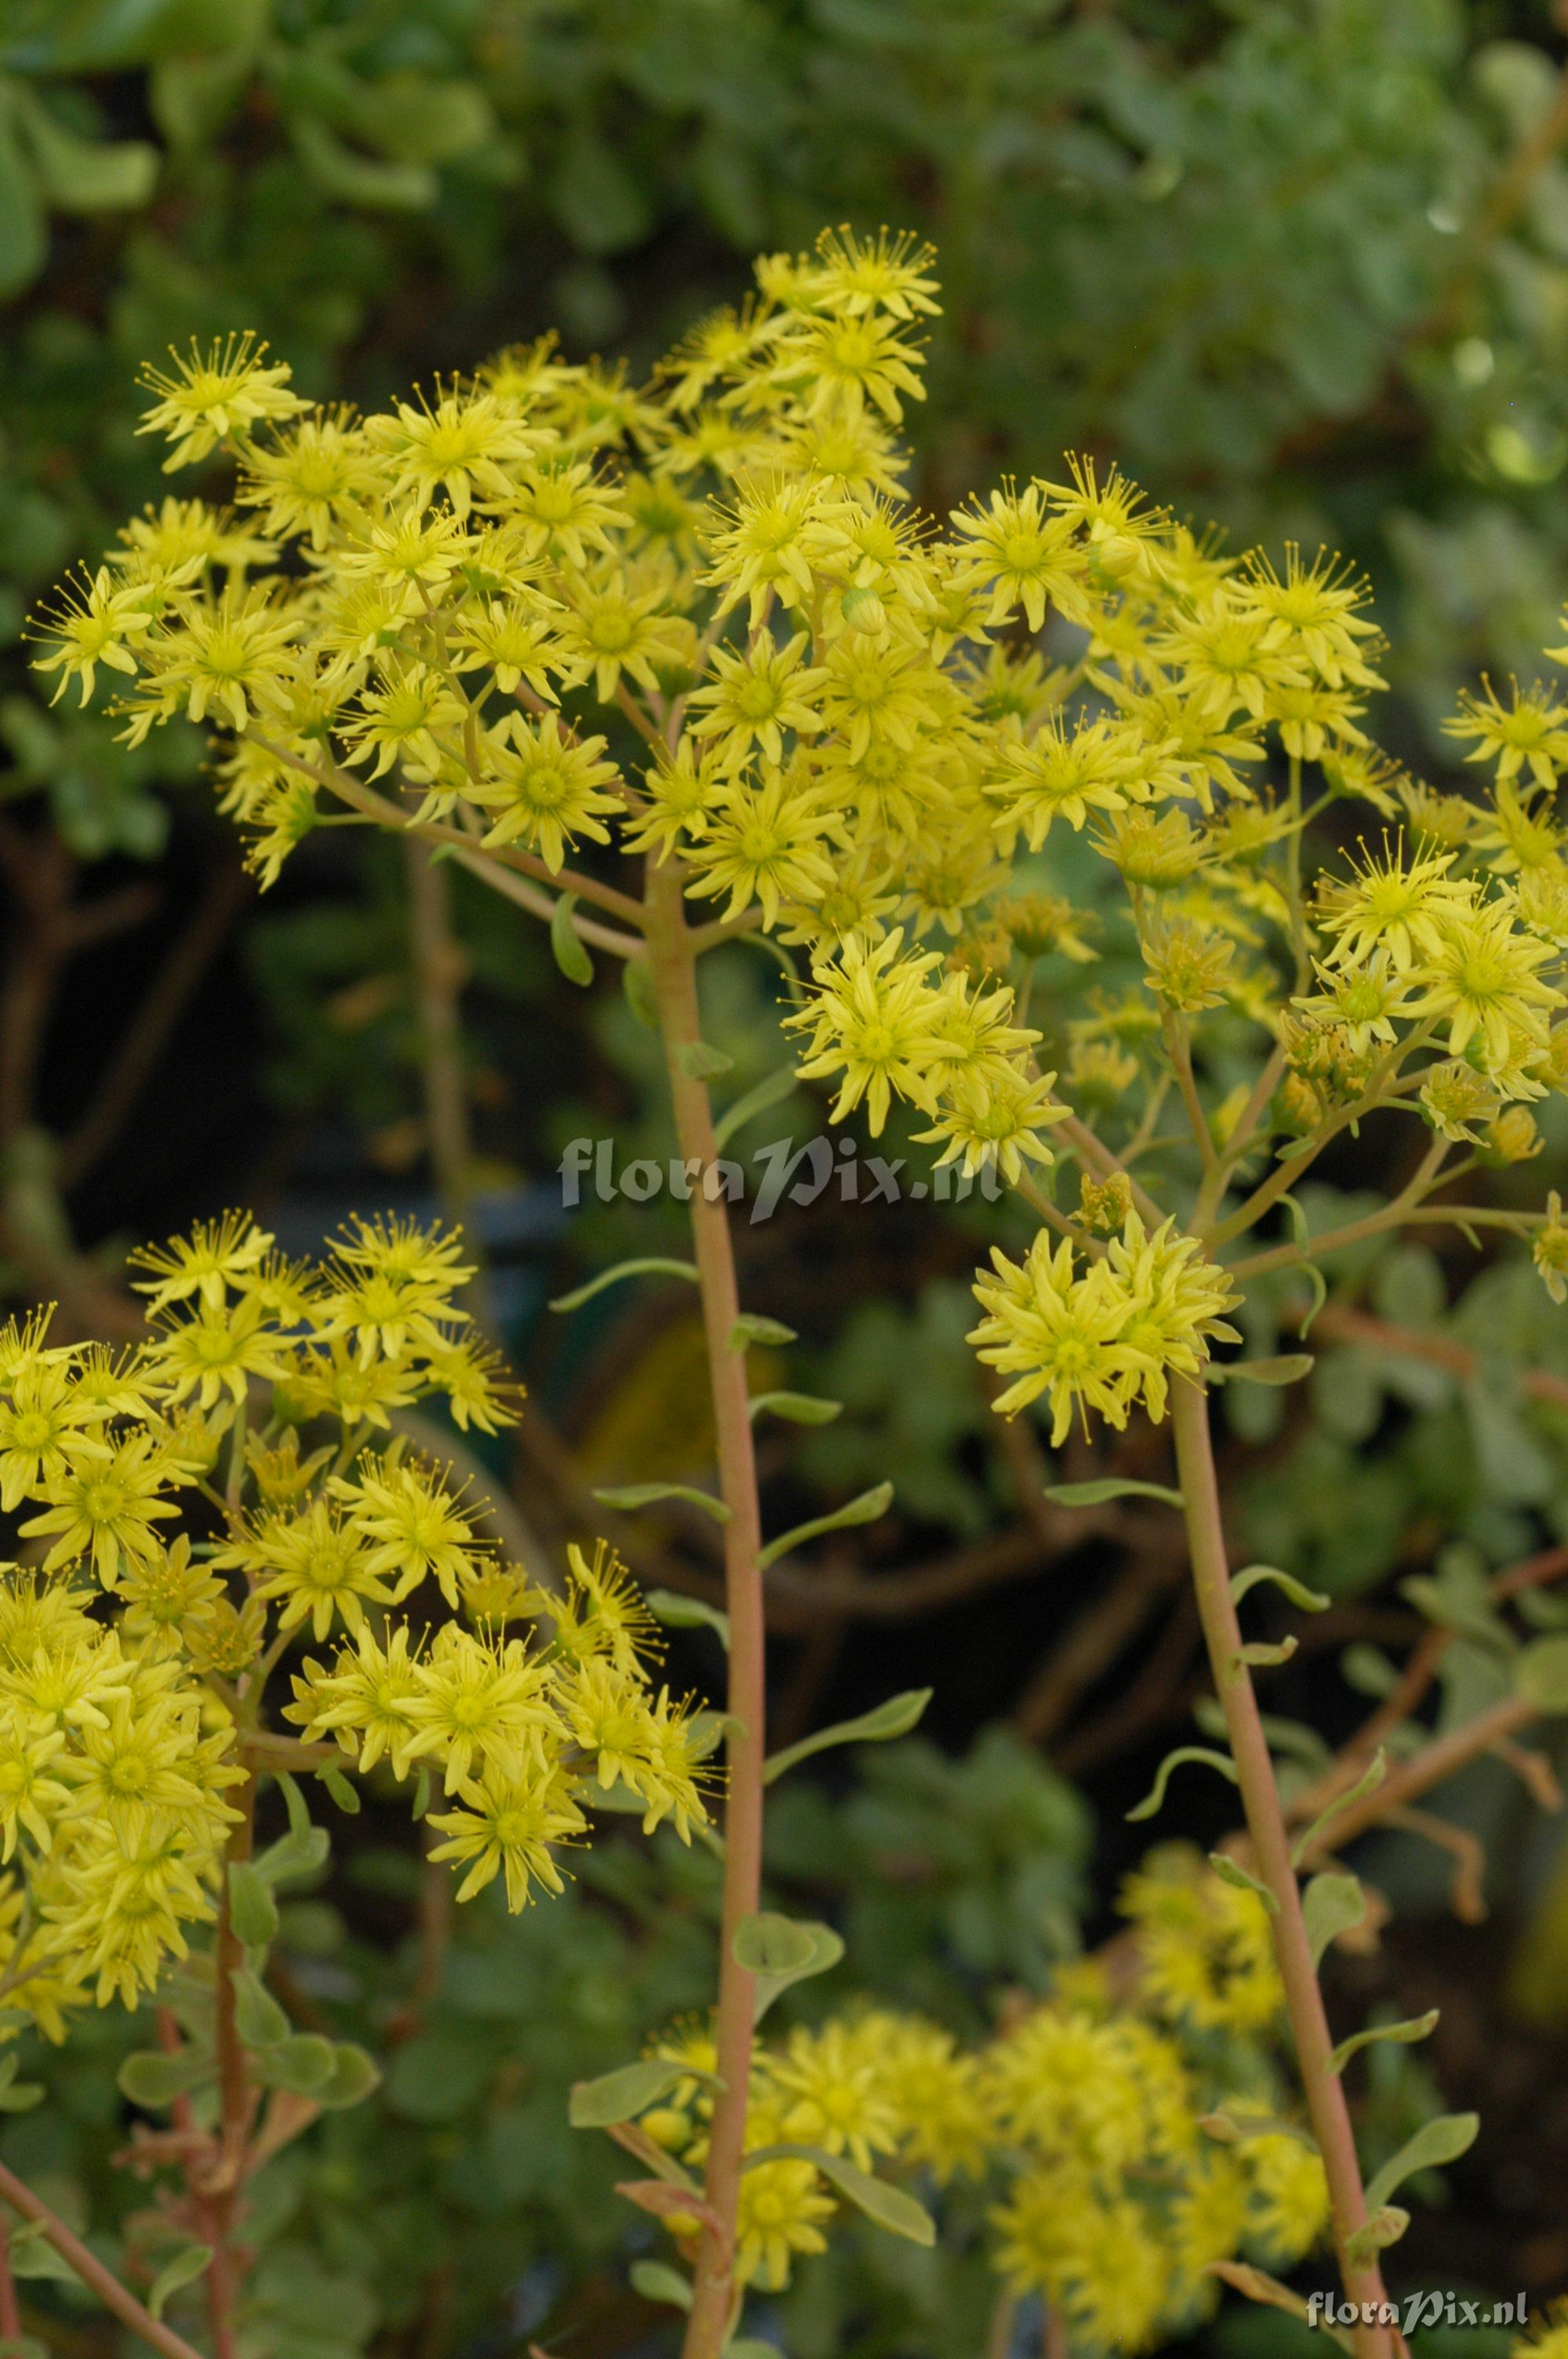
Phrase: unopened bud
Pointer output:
(863, 609)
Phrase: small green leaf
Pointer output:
(304, 1850)
(151, 2079)
(304, 2064)
(1311, 1601)
(567, 945)
(620, 2095)
(258, 2018)
(890, 2207)
(645, 1265)
(1204, 1754)
(1259, 1655)
(629, 1496)
(32, 2256)
(656, 2281)
(756, 1101)
(780, 1951)
(345, 1796)
(1540, 1674)
(798, 1409)
(1331, 1906)
(701, 1062)
(679, 1612)
(1231, 1871)
(1259, 2287)
(863, 1510)
(87, 176)
(252, 1911)
(353, 2076)
(1437, 2142)
(1403, 2035)
(177, 2272)
(1288, 1368)
(293, 1856)
(894, 1718)
(17, 2096)
(750, 1327)
(1369, 1781)
(767, 1943)
(1385, 2227)
(1110, 1486)
(637, 983)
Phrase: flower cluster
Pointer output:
(1104, 1336)
(1083, 2116)
(542, 614)
(193, 1508)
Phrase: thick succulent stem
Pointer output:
(1314, 2043)
(673, 969)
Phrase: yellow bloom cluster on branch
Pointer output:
(194, 1509)
(542, 615)
(1082, 2117)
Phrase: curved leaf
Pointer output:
(798, 1409)
(889, 2206)
(177, 2272)
(894, 1718)
(757, 1100)
(1403, 2035)
(1437, 2142)
(629, 1496)
(1372, 1777)
(863, 1510)
(1331, 1906)
(679, 1612)
(1110, 1486)
(645, 1265)
(1311, 1601)
(1200, 1753)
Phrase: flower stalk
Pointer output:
(1321, 2085)
(673, 973)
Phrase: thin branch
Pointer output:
(1344, 1324)
(92, 2271)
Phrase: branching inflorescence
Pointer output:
(539, 617)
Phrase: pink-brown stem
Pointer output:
(86, 2266)
(1324, 2095)
(673, 971)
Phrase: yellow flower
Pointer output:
(214, 1353)
(1530, 732)
(769, 842)
(209, 396)
(508, 1824)
(107, 1508)
(876, 1020)
(756, 694)
(315, 1565)
(413, 1524)
(549, 787)
(215, 1256)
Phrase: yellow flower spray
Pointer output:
(540, 622)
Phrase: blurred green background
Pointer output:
(1301, 268)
